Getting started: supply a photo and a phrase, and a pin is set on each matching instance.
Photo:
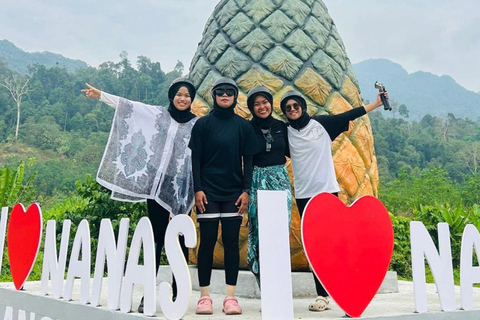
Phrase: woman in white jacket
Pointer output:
(147, 157)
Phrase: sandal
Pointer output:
(320, 304)
(230, 306)
(204, 305)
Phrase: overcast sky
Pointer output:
(438, 36)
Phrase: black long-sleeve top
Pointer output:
(338, 123)
(219, 147)
(278, 147)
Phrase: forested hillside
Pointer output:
(62, 130)
(430, 161)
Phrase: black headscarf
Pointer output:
(257, 122)
(224, 83)
(301, 122)
(178, 115)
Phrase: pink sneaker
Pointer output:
(230, 306)
(204, 305)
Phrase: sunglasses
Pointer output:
(221, 92)
(290, 107)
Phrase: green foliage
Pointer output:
(427, 162)
(421, 187)
(457, 218)
(13, 189)
(401, 258)
(67, 206)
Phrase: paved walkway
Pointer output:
(384, 306)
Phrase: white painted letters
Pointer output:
(141, 274)
(181, 224)
(440, 263)
(115, 256)
(51, 265)
(80, 268)
(23, 316)
(275, 268)
(469, 275)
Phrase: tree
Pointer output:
(403, 111)
(470, 156)
(17, 85)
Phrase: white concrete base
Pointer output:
(303, 285)
(396, 306)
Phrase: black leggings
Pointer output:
(208, 239)
(301, 204)
(159, 218)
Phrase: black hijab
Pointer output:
(301, 122)
(257, 122)
(181, 116)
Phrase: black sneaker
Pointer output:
(140, 306)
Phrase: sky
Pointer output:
(437, 36)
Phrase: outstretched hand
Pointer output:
(91, 92)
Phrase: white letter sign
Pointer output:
(469, 275)
(181, 224)
(138, 274)
(80, 268)
(440, 263)
(115, 256)
(275, 269)
(51, 264)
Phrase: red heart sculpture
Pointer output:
(349, 248)
(23, 239)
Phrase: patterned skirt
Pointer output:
(266, 178)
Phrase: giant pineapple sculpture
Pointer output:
(284, 45)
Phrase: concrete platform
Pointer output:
(398, 306)
(302, 282)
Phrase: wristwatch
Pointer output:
(246, 190)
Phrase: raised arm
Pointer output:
(108, 98)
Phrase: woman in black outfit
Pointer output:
(220, 143)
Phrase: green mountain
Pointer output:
(422, 92)
(18, 60)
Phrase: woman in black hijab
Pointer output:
(181, 93)
(269, 171)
